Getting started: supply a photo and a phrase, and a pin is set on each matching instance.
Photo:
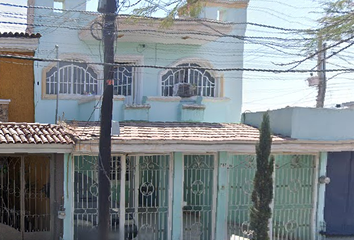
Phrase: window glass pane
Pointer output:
(59, 6)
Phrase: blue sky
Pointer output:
(262, 91)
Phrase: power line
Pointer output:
(156, 18)
(174, 68)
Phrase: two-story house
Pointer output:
(142, 93)
(182, 165)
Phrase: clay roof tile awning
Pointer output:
(172, 131)
(33, 133)
(19, 35)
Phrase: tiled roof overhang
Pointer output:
(171, 131)
(33, 133)
(19, 35)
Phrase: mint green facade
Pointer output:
(329, 127)
(76, 43)
(176, 195)
(211, 195)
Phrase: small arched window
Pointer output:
(75, 78)
(199, 82)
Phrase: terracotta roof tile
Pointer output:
(19, 35)
(171, 131)
(34, 133)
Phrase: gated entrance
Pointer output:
(294, 197)
(148, 188)
(144, 186)
(25, 197)
(339, 199)
(199, 197)
(241, 173)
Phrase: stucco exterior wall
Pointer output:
(16, 84)
(323, 124)
(280, 120)
(226, 52)
(308, 123)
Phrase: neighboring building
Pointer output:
(17, 77)
(333, 130)
(32, 156)
(32, 160)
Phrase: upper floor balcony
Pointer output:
(187, 92)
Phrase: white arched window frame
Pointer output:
(74, 79)
(202, 82)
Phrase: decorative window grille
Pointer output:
(202, 82)
(73, 79)
(124, 82)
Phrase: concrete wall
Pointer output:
(308, 123)
(323, 124)
(280, 120)
(16, 84)
(227, 52)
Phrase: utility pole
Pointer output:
(321, 67)
(104, 186)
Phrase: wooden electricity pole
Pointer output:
(321, 66)
(104, 186)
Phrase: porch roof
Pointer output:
(33, 133)
(171, 131)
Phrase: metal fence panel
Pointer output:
(198, 197)
(294, 196)
(241, 173)
(146, 191)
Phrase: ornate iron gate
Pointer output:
(85, 196)
(294, 197)
(241, 173)
(145, 185)
(24, 194)
(199, 197)
(148, 190)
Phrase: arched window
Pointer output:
(75, 78)
(194, 81)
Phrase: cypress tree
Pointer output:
(262, 194)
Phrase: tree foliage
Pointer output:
(171, 9)
(262, 194)
(336, 23)
(338, 20)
